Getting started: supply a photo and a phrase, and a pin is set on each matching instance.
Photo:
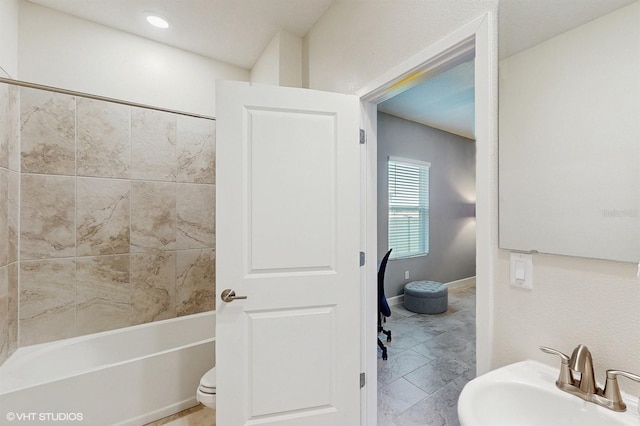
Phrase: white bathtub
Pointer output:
(130, 376)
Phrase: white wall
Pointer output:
(290, 60)
(9, 38)
(280, 63)
(574, 300)
(266, 70)
(59, 50)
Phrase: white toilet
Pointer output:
(206, 394)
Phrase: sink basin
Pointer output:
(525, 394)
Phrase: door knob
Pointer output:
(229, 295)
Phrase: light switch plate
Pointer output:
(521, 270)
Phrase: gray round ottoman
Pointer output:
(426, 297)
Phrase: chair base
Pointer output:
(380, 344)
(384, 349)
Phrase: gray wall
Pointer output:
(452, 253)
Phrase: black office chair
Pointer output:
(383, 307)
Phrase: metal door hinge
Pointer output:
(362, 380)
(362, 258)
(363, 137)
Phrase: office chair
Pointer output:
(383, 307)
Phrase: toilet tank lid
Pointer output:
(209, 378)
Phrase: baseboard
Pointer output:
(460, 283)
(396, 300)
(161, 413)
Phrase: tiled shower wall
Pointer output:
(9, 188)
(117, 223)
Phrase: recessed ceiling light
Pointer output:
(157, 21)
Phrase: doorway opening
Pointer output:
(426, 214)
(471, 43)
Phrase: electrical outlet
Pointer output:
(406, 275)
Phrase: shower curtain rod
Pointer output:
(98, 98)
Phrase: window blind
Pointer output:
(408, 207)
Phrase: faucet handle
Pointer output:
(565, 377)
(563, 357)
(612, 390)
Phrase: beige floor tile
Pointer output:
(196, 416)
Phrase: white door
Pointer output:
(288, 232)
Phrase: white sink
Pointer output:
(525, 394)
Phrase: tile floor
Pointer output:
(431, 358)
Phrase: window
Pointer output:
(408, 207)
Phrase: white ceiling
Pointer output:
(231, 31)
(237, 31)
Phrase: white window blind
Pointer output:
(408, 207)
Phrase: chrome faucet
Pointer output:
(577, 378)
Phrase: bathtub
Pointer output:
(129, 376)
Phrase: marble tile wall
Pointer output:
(9, 187)
(116, 217)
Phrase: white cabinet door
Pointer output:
(288, 232)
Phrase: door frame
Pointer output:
(477, 37)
